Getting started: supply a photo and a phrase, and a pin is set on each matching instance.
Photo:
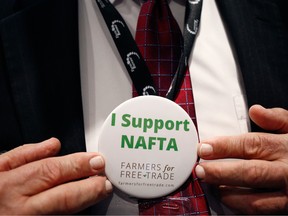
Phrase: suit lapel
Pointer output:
(259, 36)
(41, 53)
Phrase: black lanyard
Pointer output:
(131, 56)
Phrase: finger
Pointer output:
(274, 119)
(243, 173)
(71, 197)
(254, 202)
(28, 153)
(245, 146)
(41, 175)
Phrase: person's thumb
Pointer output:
(272, 119)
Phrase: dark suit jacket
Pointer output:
(40, 94)
(40, 91)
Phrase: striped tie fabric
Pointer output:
(160, 41)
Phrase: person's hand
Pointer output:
(34, 182)
(258, 182)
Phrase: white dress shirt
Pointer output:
(217, 86)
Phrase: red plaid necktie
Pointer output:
(160, 41)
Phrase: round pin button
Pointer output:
(149, 146)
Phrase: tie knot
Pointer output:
(160, 41)
(153, 7)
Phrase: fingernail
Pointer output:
(200, 172)
(206, 150)
(108, 186)
(97, 162)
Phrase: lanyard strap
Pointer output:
(131, 56)
(191, 26)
